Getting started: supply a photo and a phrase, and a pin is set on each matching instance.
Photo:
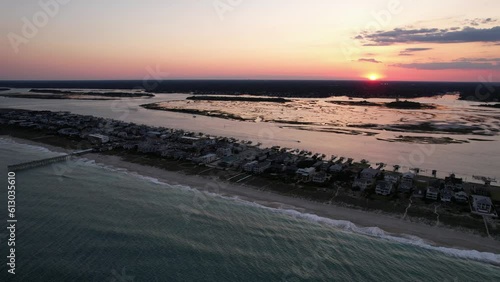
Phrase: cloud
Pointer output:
(432, 35)
(477, 60)
(416, 49)
(377, 44)
(450, 65)
(369, 61)
(479, 21)
(410, 51)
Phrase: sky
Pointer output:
(409, 40)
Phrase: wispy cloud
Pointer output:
(450, 65)
(477, 60)
(479, 21)
(410, 51)
(365, 60)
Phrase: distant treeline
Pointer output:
(490, 106)
(212, 113)
(393, 105)
(104, 94)
(46, 96)
(408, 105)
(238, 98)
(288, 88)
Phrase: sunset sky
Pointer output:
(450, 40)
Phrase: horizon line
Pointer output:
(240, 79)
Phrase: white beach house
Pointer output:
(482, 205)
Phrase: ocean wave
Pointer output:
(93, 163)
(343, 225)
(377, 232)
(9, 141)
(372, 231)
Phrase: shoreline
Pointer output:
(357, 147)
(435, 236)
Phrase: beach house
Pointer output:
(71, 132)
(406, 184)
(461, 197)
(336, 168)
(454, 184)
(384, 188)
(362, 183)
(98, 138)
(366, 178)
(482, 205)
(229, 161)
(391, 177)
(208, 158)
(147, 147)
(248, 167)
(188, 140)
(305, 174)
(320, 177)
(261, 167)
(224, 152)
(446, 195)
(369, 173)
(432, 193)
(419, 189)
(325, 165)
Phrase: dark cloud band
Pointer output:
(432, 35)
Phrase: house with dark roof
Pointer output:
(384, 188)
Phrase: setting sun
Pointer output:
(373, 77)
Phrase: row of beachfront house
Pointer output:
(178, 144)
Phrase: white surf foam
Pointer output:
(400, 238)
(339, 224)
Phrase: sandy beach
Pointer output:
(433, 235)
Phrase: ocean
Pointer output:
(82, 221)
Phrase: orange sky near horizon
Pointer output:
(257, 39)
